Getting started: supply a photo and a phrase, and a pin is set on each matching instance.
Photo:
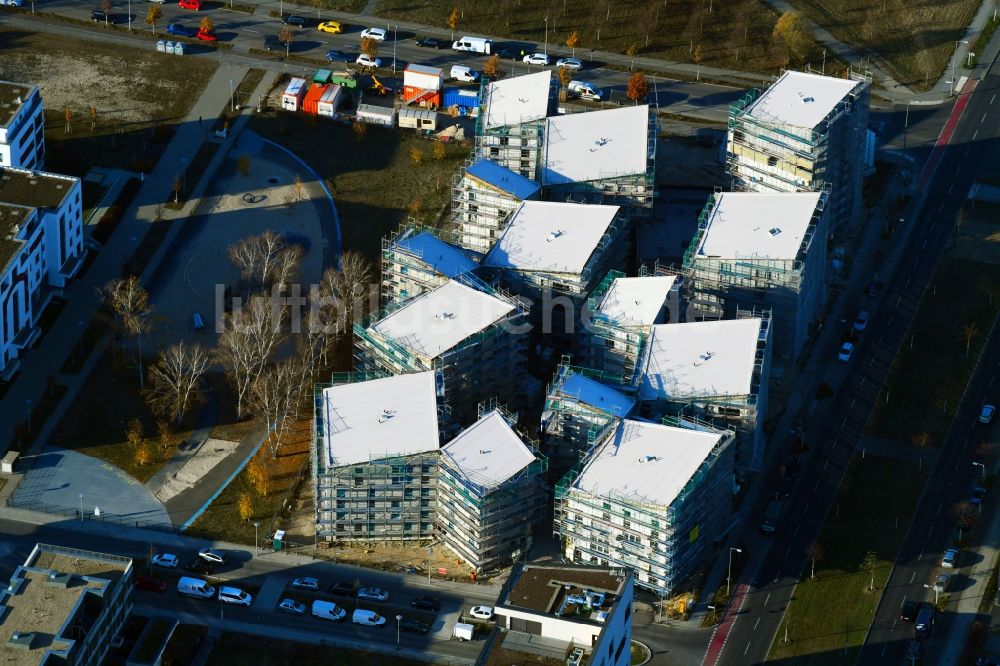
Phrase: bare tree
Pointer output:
(265, 259)
(249, 338)
(969, 333)
(350, 283)
(128, 300)
(275, 396)
(814, 552)
(175, 379)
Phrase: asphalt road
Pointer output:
(246, 31)
(836, 426)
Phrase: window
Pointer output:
(394, 504)
(425, 492)
(627, 524)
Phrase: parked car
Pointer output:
(861, 323)
(508, 54)
(414, 626)
(908, 611)
(481, 612)
(366, 60)
(986, 413)
(165, 560)
(272, 43)
(343, 589)
(181, 30)
(942, 582)
(199, 566)
(149, 584)
(378, 34)
(102, 17)
(536, 59)
(190, 4)
(845, 352)
(235, 596)
(294, 19)
(373, 594)
(206, 36)
(572, 64)
(212, 555)
(333, 27)
(306, 583)
(463, 73)
(292, 607)
(159, 2)
(427, 603)
(784, 490)
(432, 43)
(977, 496)
(950, 559)
(367, 617)
(328, 610)
(339, 56)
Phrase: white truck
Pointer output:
(195, 587)
(584, 90)
(474, 44)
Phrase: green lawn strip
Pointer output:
(833, 612)
(930, 373)
(232, 649)
(221, 520)
(979, 48)
(375, 182)
(735, 35)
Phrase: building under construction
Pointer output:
(375, 453)
(511, 121)
(620, 314)
(484, 196)
(757, 250)
(806, 132)
(649, 497)
(712, 371)
(554, 254)
(467, 333)
(602, 157)
(415, 260)
(491, 493)
(578, 406)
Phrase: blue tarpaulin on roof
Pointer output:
(503, 179)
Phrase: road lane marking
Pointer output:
(853, 400)
(879, 343)
(251, 30)
(924, 245)
(884, 647)
(975, 134)
(951, 187)
(993, 379)
(797, 527)
(816, 486)
(787, 552)
(827, 461)
(755, 624)
(748, 648)
(929, 531)
(806, 510)
(914, 574)
(939, 508)
(768, 598)
(981, 120)
(992, 98)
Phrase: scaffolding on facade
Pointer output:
(608, 344)
(405, 273)
(479, 212)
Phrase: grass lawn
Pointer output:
(929, 376)
(135, 105)
(735, 34)
(916, 39)
(375, 182)
(234, 649)
(834, 610)
(222, 518)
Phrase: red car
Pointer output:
(190, 4)
(149, 584)
(206, 36)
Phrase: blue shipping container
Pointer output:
(465, 98)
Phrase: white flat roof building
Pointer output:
(520, 99)
(700, 359)
(438, 320)
(393, 416)
(758, 224)
(488, 452)
(636, 301)
(596, 145)
(646, 462)
(551, 237)
(800, 99)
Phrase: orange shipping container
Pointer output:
(311, 103)
(429, 97)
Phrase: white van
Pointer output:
(367, 617)
(327, 610)
(463, 73)
(195, 587)
(585, 90)
(473, 44)
(234, 595)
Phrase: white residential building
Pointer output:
(511, 121)
(22, 126)
(563, 613)
(375, 457)
(415, 260)
(757, 250)
(806, 132)
(41, 248)
(714, 371)
(491, 493)
(484, 196)
(651, 498)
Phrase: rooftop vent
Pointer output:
(386, 415)
(808, 99)
(554, 235)
(650, 458)
(774, 231)
(707, 356)
(523, 100)
(57, 579)
(483, 452)
(17, 100)
(21, 640)
(445, 315)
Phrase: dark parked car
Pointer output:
(409, 624)
(199, 565)
(908, 611)
(98, 15)
(271, 43)
(424, 602)
(432, 43)
(339, 56)
(343, 589)
(792, 468)
(508, 54)
(784, 490)
(181, 30)
(149, 584)
(294, 19)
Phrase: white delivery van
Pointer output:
(367, 617)
(585, 90)
(195, 587)
(463, 73)
(328, 610)
(473, 44)
(463, 632)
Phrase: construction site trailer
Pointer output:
(420, 119)
(422, 76)
(376, 115)
(291, 99)
(311, 102)
(328, 104)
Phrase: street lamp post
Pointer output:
(906, 122)
(968, 59)
(546, 49)
(954, 58)
(730, 575)
(933, 587)
(398, 620)
(256, 539)
(430, 551)
(395, 28)
(982, 469)
(230, 95)
(81, 507)
(27, 402)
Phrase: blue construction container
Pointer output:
(463, 98)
